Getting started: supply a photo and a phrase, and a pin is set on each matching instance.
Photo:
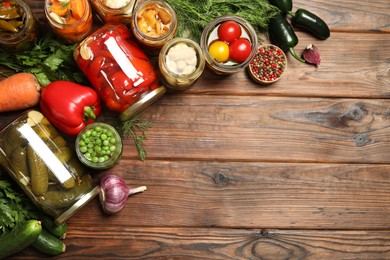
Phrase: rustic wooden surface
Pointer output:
(296, 170)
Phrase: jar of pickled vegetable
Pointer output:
(42, 163)
(18, 26)
(118, 69)
(113, 10)
(181, 62)
(71, 20)
(154, 23)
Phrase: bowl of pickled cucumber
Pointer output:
(99, 146)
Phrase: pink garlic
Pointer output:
(312, 55)
(114, 193)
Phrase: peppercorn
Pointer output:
(268, 64)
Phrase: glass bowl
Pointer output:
(268, 65)
(99, 146)
(210, 34)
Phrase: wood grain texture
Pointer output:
(363, 72)
(270, 129)
(249, 195)
(296, 170)
(223, 244)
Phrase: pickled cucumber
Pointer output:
(38, 171)
(64, 154)
(13, 139)
(46, 132)
(64, 199)
(18, 159)
(59, 141)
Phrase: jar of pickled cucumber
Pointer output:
(42, 163)
(18, 26)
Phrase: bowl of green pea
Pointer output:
(99, 146)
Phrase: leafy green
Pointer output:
(48, 60)
(14, 207)
(194, 16)
(132, 127)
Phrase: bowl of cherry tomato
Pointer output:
(229, 44)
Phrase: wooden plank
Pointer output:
(248, 195)
(345, 15)
(109, 242)
(246, 128)
(349, 15)
(349, 68)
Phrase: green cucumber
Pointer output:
(49, 224)
(20, 237)
(48, 244)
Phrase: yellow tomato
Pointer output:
(219, 51)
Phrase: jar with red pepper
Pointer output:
(119, 70)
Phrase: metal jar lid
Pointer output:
(75, 207)
(142, 103)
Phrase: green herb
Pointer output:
(49, 60)
(194, 16)
(132, 127)
(14, 207)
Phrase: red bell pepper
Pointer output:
(69, 106)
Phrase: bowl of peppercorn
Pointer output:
(268, 65)
(99, 146)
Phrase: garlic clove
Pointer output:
(312, 55)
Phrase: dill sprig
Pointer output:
(194, 16)
(136, 128)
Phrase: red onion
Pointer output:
(114, 193)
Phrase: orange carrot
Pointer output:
(19, 91)
(59, 8)
(78, 8)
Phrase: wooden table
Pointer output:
(296, 170)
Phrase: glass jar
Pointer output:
(41, 162)
(210, 35)
(18, 27)
(99, 146)
(114, 11)
(117, 68)
(71, 21)
(154, 23)
(181, 62)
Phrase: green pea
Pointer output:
(95, 159)
(112, 148)
(103, 137)
(83, 149)
(112, 140)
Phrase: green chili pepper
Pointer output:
(283, 35)
(284, 5)
(310, 22)
(8, 27)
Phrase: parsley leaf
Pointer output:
(14, 207)
(49, 60)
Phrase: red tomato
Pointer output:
(240, 50)
(229, 31)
